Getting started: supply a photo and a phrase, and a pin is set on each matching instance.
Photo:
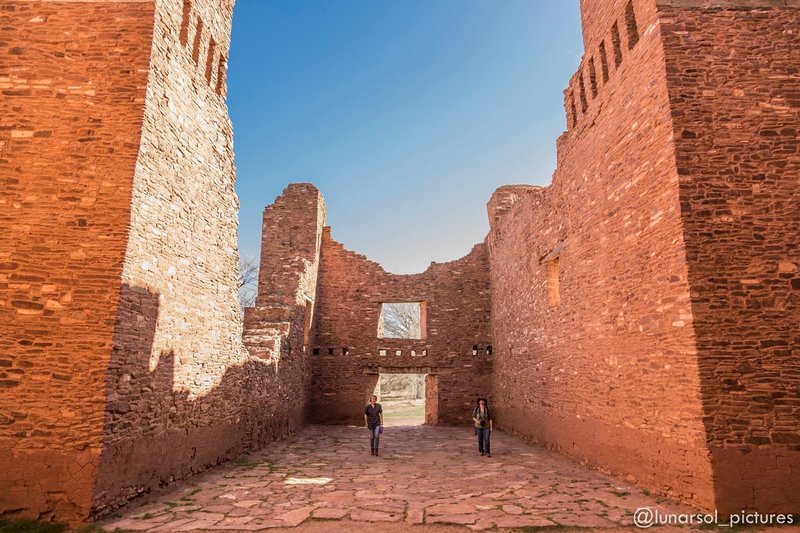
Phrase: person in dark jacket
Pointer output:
(482, 417)
(373, 419)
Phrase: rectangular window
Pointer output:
(187, 11)
(574, 109)
(604, 61)
(210, 60)
(221, 71)
(617, 46)
(592, 77)
(198, 34)
(403, 320)
(630, 23)
(584, 104)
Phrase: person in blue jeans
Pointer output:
(373, 419)
(482, 417)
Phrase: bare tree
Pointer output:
(248, 281)
(402, 321)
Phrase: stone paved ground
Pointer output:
(324, 479)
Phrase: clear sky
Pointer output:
(406, 114)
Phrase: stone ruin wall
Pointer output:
(610, 289)
(644, 305)
(346, 357)
(733, 77)
(121, 306)
(73, 77)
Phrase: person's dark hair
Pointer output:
(484, 400)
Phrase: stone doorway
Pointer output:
(408, 398)
(403, 398)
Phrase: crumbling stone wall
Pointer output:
(348, 356)
(642, 302)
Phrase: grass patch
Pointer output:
(245, 463)
(30, 526)
(621, 493)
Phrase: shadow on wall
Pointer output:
(154, 435)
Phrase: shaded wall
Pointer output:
(734, 88)
(348, 356)
(73, 78)
(591, 308)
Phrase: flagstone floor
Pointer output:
(324, 479)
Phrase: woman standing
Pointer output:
(483, 426)
(373, 419)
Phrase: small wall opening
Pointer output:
(616, 43)
(604, 61)
(187, 10)
(198, 34)
(402, 397)
(402, 320)
(584, 103)
(212, 47)
(593, 77)
(630, 23)
(574, 109)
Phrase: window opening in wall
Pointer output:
(398, 352)
(212, 46)
(402, 397)
(630, 23)
(345, 351)
(574, 109)
(424, 352)
(198, 34)
(403, 320)
(489, 350)
(474, 349)
(330, 351)
(592, 77)
(584, 104)
(413, 353)
(315, 351)
(221, 74)
(553, 289)
(187, 11)
(616, 43)
(603, 61)
(382, 352)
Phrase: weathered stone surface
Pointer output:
(639, 314)
(413, 484)
(640, 311)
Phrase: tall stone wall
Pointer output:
(644, 304)
(348, 355)
(119, 262)
(734, 89)
(73, 77)
(591, 306)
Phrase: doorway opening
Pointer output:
(403, 398)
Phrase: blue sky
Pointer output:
(406, 114)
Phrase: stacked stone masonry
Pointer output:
(669, 355)
(639, 314)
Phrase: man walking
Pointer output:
(373, 419)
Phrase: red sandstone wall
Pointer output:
(279, 329)
(609, 375)
(183, 392)
(351, 290)
(73, 79)
(735, 94)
